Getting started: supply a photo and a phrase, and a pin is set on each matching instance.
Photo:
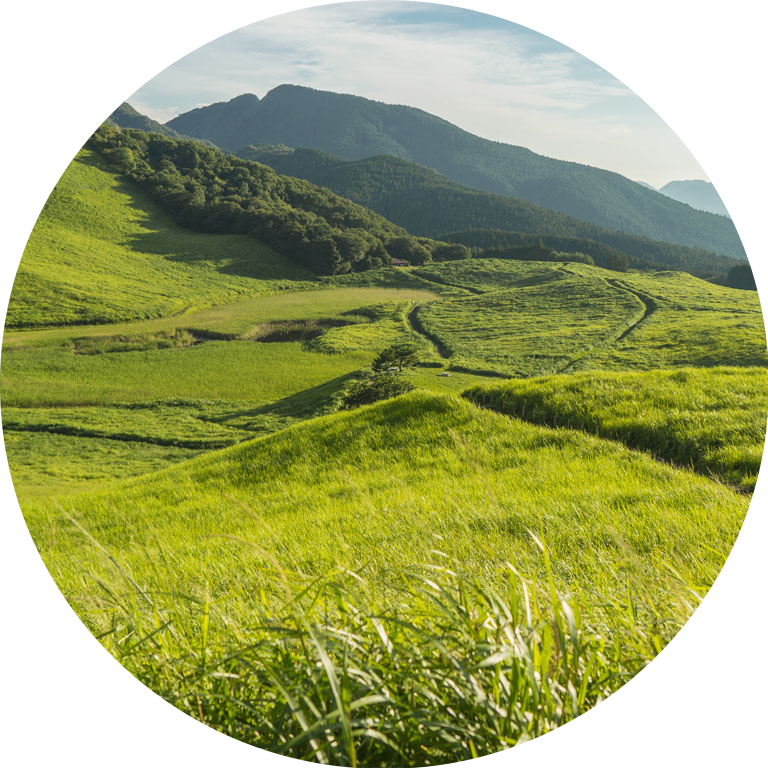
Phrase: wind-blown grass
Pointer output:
(712, 420)
(211, 551)
(451, 669)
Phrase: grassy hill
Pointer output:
(709, 419)
(102, 251)
(426, 203)
(214, 376)
(354, 128)
(208, 543)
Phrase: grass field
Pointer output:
(215, 529)
(527, 529)
(550, 318)
(537, 328)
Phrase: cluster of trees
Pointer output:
(741, 276)
(208, 190)
(385, 379)
(619, 251)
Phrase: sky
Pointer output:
(656, 91)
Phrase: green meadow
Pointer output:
(207, 555)
(426, 579)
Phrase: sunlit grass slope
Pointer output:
(689, 322)
(101, 251)
(529, 318)
(531, 329)
(710, 419)
(358, 488)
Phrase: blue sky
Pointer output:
(655, 91)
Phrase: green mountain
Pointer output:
(425, 203)
(699, 194)
(125, 116)
(353, 128)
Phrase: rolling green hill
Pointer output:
(709, 419)
(353, 128)
(102, 251)
(529, 319)
(214, 573)
(426, 203)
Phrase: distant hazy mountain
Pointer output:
(646, 185)
(424, 202)
(354, 128)
(718, 198)
(745, 204)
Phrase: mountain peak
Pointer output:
(244, 99)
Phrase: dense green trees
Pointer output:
(619, 251)
(741, 276)
(208, 190)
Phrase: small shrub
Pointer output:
(380, 387)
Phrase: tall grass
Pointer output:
(448, 668)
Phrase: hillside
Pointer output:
(424, 202)
(240, 581)
(103, 251)
(125, 116)
(745, 204)
(709, 419)
(528, 319)
(353, 128)
(211, 191)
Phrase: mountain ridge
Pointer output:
(353, 127)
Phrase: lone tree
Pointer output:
(397, 356)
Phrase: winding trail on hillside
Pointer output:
(445, 284)
(649, 307)
(182, 311)
(417, 327)
(649, 303)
